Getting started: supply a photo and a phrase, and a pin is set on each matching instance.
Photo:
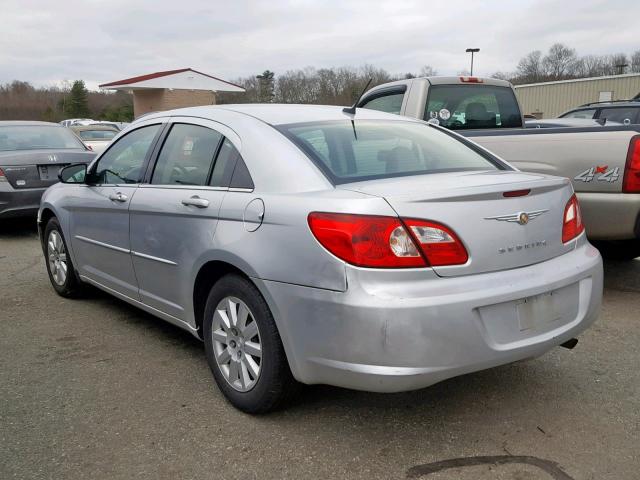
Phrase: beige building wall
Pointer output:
(155, 100)
(550, 99)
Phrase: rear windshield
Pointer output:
(369, 149)
(36, 137)
(97, 134)
(472, 106)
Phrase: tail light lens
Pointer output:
(384, 242)
(572, 224)
(631, 182)
(439, 243)
(366, 241)
(3, 178)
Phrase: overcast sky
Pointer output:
(45, 42)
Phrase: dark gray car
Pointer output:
(626, 112)
(31, 155)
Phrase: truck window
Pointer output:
(391, 103)
(459, 107)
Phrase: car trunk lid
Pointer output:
(38, 169)
(491, 226)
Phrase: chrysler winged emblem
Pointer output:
(521, 218)
(53, 158)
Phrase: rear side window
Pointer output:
(187, 155)
(36, 137)
(390, 103)
(369, 149)
(472, 106)
(620, 114)
(225, 163)
(588, 113)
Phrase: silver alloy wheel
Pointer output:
(57, 257)
(236, 343)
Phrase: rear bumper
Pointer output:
(611, 216)
(19, 203)
(389, 334)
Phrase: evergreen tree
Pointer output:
(77, 105)
(267, 85)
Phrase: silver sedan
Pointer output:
(306, 244)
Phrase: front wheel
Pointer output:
(243, 347)
(59, 266)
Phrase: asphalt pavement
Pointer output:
(96, 389)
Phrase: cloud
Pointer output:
(103, 40)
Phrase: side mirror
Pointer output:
(75, 173)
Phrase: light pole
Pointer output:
(472, 51)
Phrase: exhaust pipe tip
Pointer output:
(570, 344)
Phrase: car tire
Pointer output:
(619, 249)
(232, 341)
(62, 274)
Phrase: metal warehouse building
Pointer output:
(550, 99)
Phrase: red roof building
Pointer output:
(172, 89)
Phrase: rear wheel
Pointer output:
(619, 249)
(59, 266)
(243, 347)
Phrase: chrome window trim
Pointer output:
(184, 187)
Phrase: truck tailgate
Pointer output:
(593, 160)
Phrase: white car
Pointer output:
(96, 137)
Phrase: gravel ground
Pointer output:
(94, 388)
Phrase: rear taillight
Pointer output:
(384, 242)
(3, 178)
(631, 182)
(366, 240)
(439, 243)
(572, 225)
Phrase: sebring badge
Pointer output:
(521, 217)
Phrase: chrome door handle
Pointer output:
(118, 197)
(195, 201)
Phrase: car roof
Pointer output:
(280, 114)
(615, 103)
(82, 128)
(27, 123)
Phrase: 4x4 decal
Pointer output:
(602, 172)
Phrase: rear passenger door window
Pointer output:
(187, 156)
(621, 115)
(389, 102)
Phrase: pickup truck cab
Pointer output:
(603, 162)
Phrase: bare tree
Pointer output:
(529, 69)
(635, 61)
(428, 71)
(589, 66)
(560, 62)
(502, 76)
